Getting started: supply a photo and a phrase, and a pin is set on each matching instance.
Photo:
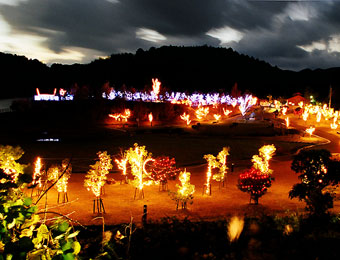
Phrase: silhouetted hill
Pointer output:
(178, 68)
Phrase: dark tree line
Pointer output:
(178, 68)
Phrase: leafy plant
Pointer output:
(318, 173)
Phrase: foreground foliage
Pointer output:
(319, 175)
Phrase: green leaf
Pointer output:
(68, 256)
(62, 227)
(27, 201)
(66, 246)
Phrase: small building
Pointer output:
(296, 99)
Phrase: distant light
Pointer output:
(48, 140)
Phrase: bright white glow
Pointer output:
(113, 1)
(226, 34)
(149, 35)
(11, 2)
(334, 44)
(32, 46)
(313, 46)
(300, 12)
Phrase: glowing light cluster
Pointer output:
(186, 118)
(217, 117)
(156, 87)
(37, 173)
(54, 173)
(185, 189)
(163, 169)
(202, 112)
(138, 157)
(222, 159)
(261, 161)
(212, 163)
(96, 177)
(226, 112)
(124, 117)
(195, 99)
(310, 130)
(245, 103)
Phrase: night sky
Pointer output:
(290, 34)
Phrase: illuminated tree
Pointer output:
(122, 165)
(37, 177)
(185, 190)
(138, 157)
(60, 176)
(258, 179)
(95, 178)
(261, 161)
(222, 159)
(255, 183)
(319, 175)
(212, 163)
(8, 157)
(163, 169)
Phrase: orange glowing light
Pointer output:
(300, 104)
(222, 160)
(226, 112)
(305, 115)
(150, 117)
(62, 92)
(124, 116)
(37, 172)
(122, 165)
(156, 86)
(234, 103)
(138, 157)
(287, 122)
(212, 163)
(186, 118)
(217, 117)
(284, 111)
(261, 161)
(202, 112)
(318, 116)
(310, 130)
(95, 178)
(185, 190)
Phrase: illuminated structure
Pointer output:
(37, 173)
(124, 117)
(53, 97)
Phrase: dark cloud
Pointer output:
(271, 30)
